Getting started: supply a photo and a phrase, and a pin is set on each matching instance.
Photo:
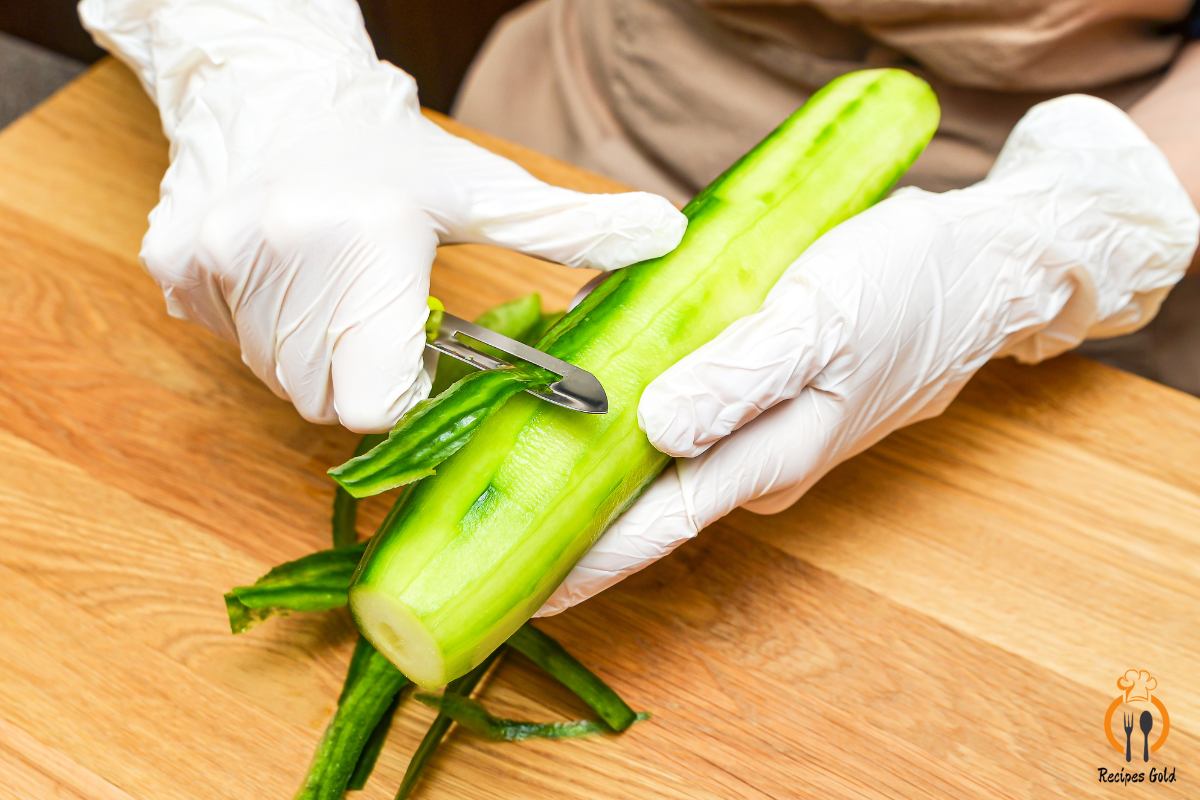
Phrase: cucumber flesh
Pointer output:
(481, 544)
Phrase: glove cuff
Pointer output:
(1125, 230)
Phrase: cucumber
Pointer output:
(479, 546)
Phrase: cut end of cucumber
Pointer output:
(397, 633)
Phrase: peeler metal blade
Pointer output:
(576, 389)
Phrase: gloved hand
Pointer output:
(306, 196)
(1080, 230)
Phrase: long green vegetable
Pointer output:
(482, 544)
(320, 580)
(465, 557)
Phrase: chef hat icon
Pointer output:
(1137, 685)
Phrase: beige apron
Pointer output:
(664, 94)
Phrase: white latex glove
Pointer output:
(1080, 230)
(306, 196)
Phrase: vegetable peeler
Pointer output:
(576, 389)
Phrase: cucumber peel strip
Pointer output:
(364, 716)
(435, 429)
(474, 717)
(372, 685)
(316, 582)
(373, 747)
(434, 321)
(345, 505)
(441, 724)
(545, 651)
(460, 400)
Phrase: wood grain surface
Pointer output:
(943, 616)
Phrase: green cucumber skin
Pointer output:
(484, 542)
(545, 651)
(434, 430)
(441, 724)
(371, 685)
(460, 400)
(345, 506)
(315, 582)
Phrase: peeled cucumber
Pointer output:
(479, 546)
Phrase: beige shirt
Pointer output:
(664, 94)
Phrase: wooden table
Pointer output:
(945, 615)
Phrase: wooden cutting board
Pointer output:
(946, 615)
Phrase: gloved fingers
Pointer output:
(378, 332)
(377, 369)
(334, 304)
(767, 466)
(774, 459)
(654, 526)
(208, 263)
(497, 202)
(752, 365)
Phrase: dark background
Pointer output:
(432, 40)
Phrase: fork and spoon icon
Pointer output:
(1146, 723)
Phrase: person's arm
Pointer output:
(1170, 116)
